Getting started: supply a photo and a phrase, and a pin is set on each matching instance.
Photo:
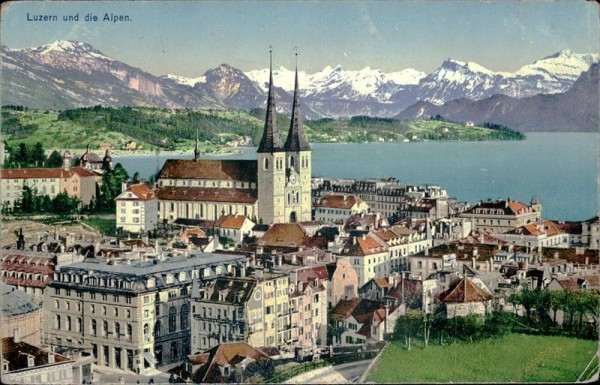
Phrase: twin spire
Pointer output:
(271, 142)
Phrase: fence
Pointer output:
(337, 359)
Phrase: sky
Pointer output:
(187, 37)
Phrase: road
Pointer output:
(340, 374)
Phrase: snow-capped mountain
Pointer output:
(455, 79)
(573, 110)
(68, 74)
(334, 82)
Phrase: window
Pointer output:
(172, 319)
(129, 331)
(157, 328)
(79, 324)
(57, 322)
(93, 327)
(118, 357)
(57, 304)
(117, 329)
(105, 328)
(105, 349)
(184, 317)
(174, 350)
(68, 322)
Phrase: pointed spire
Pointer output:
(197, 148)
(296, 141)
(270, 141)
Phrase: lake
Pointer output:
(560, 168)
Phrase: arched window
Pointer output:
(157, 329)
(184, 316)
(172, 319)
(292, 161)
(145, 329)
(117, 329)
(68, 322)
(93, 327)
(57, 322)
(266, 163)
(79, 324)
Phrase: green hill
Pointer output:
(175, 130)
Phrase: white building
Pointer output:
(337, 208)
(137, 209)
(234, 227)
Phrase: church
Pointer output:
(274, 188)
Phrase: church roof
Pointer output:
(201, 194)
(296, 141)
(237, 170)
(270, 142)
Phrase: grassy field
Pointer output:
(513, 358)
(107, 227)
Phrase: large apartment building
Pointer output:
(132, 314)
(500, 216)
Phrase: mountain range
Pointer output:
(68, 74)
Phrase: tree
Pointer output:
(557, 299)
(136, 177)
(22, 155)
(26, 203)
(55, 159)
(37, 157)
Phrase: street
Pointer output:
(340, 374)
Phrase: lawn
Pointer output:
(104, 226)
(512, 358)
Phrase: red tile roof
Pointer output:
(141, 191)
(283, 235)
(363, 247)
(237, 170)
(231, 221)
(547, 228)
(227, 353)
(13, 352)
(507, 207)
(37, 173)
(201, 194)
(339, 201)
(465, 291)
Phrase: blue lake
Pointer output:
(560, 168)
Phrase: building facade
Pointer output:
(137, 209)
(132, 315)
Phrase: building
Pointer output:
(131, 314)
(91, 161)
(76, 181)
(275, 188)
(24, 363)
(137, 209)
(338, 208)
(343, 282)
(253, 308)
(465, 298)
(402, 242)
(233, 227)
(362, 321)
(28, 271)
(368, 256)
(20, 313)
(500, 216)
(223, 363)
(537, 234)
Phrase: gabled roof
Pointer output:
(338, 201)
(465, 291)
(363, 246)
(227, 353)
(140, 192)
(37, 173)
(235, 170)
(547, 228)
(231, 289)
(231, 221)
(283, 235)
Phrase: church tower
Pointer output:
(298, 166)
(271, 164)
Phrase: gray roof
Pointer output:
(139, 268)
(15, 301)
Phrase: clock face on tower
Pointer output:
(293, 179)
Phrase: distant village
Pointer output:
(225, 268)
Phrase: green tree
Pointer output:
(26, 203)
(37, 157)
(22, 155)
(55, 159)
(63, 204)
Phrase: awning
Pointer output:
(150, 358)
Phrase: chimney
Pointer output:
(475, 251)
(426, 250)
(294, 259)
(587, 260)
(16, 335)
(243, 271)
(258, 272)
(259, 250)
(50, 357)
(473, 262)
(279, 260)
(145, 239)
(123, 186)
(96, 247)
(329, 256)
(30, 361)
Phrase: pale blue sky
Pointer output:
(187, 38)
